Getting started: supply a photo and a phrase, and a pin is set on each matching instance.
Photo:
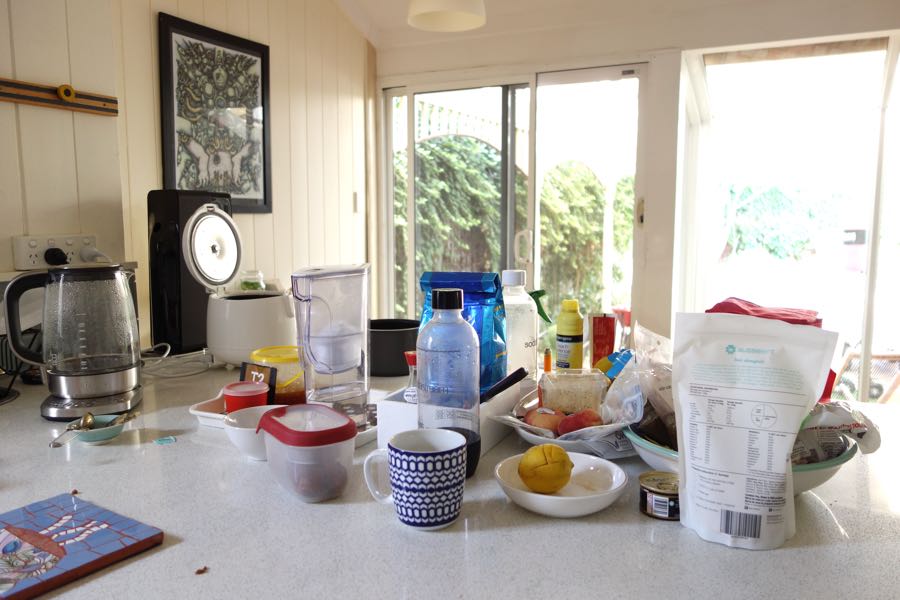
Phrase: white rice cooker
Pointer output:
(237, 323)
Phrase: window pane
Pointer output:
(586, 154)
(521, 139)
(400, 174)
(884, 383)
(458, 181)
(790, 177)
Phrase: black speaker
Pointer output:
(177, 301)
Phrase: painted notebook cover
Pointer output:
(50, 543)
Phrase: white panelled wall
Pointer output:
(317, 67)
(58, 168)
(69, 172)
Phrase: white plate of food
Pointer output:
(607, 441)
(595, 483)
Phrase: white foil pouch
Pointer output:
(742, 386)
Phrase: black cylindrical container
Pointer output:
(388, 340)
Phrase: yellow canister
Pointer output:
(289, 384)
(569, 336)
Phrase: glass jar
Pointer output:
(252, 280)
(290, 387)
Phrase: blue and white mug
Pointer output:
(427, 472)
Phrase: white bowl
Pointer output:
(595, 484)
(806, 477)
(240, 425)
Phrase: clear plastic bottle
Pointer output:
(448, 370)
(521, 324)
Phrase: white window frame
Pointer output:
(569, 74)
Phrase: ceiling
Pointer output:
(383, 22)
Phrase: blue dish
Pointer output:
(101, 433)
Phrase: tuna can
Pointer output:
(659, 495)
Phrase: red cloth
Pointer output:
(795, 316)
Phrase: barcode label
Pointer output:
(738, 524)
(661, 506)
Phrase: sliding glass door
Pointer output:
(586, 150)
(465, 194)
(467, 202)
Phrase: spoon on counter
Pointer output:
(82, 424)
(124, 417)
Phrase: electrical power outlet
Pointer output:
(31, 251)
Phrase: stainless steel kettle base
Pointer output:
(55, 408)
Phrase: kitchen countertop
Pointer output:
(222, 511)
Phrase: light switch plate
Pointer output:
(29, 250)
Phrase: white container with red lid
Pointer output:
(309, 449)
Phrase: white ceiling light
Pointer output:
(446, 15)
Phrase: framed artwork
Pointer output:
(214, 102)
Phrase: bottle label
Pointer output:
(569, 351)
(410, 395)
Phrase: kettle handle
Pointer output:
(11, 297)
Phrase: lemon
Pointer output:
(545, 469)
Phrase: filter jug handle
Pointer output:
(288, 304)
(11, 297)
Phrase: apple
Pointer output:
(547, 418)
(583, 418)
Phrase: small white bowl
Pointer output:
(806, 477)
(595, 484)
(240, 426)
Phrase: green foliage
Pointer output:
(400, 223)
(458, 220)
(572, 203)
(623, 214)
(457, 205)
(457, 209)
(768, 219)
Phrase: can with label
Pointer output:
(659, 495)
(602, 329)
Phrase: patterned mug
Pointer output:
(427, 471)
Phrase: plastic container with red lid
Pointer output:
(309, 449)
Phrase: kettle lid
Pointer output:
(212, 246)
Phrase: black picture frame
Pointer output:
(214, 113)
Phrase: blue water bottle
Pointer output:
(447, 359)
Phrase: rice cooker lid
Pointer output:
(307, 425)
(212, 246)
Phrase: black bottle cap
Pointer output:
(451, 298)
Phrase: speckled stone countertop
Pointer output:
(224, 512)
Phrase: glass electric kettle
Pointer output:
(91, 345)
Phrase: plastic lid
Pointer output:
(211, 246)
(570, 305)
(245, 388)
(447, 298)
(307, 425)
(281, 355)
(513, 277)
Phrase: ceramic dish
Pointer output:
(806, 477)
(240, 427)
(595, 484)
(100, 433)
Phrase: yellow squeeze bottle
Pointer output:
(569, 336)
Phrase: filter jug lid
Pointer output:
(212, 246)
